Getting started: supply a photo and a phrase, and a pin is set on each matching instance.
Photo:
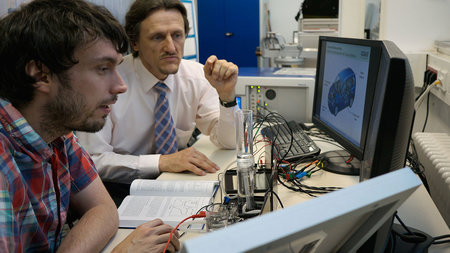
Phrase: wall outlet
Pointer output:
(441, 63)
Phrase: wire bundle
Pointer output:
(287, 173)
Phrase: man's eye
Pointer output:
(103, 69)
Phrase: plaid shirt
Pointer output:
(36, 182)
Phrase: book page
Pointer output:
(136, 210)
(149, 187)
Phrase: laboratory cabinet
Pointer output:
(229, 29)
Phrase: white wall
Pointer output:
(351, 18)
(4, 5)
(414, 25)
(282, 17)
(117, 7)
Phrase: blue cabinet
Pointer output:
(229, 29)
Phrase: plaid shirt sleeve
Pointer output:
(82, 168)
(6, 217)
(8, 234)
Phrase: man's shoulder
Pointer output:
(191, 63)
(5, 146)
(127, 62)
(72, 145)
(127, 67)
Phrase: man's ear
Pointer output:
(40, 73)
(135, 46)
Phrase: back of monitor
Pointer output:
(340, 221)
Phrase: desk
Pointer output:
(419, 211)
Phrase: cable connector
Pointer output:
(294, 175)
(300, 175)
(290, 175)
(201, 214)
(422, 96)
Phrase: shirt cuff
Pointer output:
(149, 166)
(227, 114)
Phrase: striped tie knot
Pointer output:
(161, 88)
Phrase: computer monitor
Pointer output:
(364, 99)
(339, 221)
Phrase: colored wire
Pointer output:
(288, 176)
(200, 215)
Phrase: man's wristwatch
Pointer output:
(228, 104)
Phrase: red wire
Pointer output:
(349, 159)
(290, 168)
(200, 215)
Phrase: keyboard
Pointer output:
(302, 146)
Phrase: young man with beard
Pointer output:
(58, 74)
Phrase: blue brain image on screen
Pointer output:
(342, 91)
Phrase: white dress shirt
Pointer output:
(122, 150)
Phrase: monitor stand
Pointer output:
(336, 161)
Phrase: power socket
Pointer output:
(440, 64)
(429, 76)
(443, 77)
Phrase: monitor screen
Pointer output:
(352, 80)
(343, 93)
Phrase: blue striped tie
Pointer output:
(165, 137)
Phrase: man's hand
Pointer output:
(187, 160)
(149, 237)
(222, 75)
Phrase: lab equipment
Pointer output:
(245, 160)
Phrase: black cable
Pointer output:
(295, 189)
(206, 206)
(413, 162)
(273, 121)
(427, 112)
(402, 223)
(266, 195)
(279, 200)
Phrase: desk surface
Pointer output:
(419, 211)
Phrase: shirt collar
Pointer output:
(21, 133)
(148, 80)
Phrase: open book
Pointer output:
(171, 201)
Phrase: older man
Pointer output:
(136, 141)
